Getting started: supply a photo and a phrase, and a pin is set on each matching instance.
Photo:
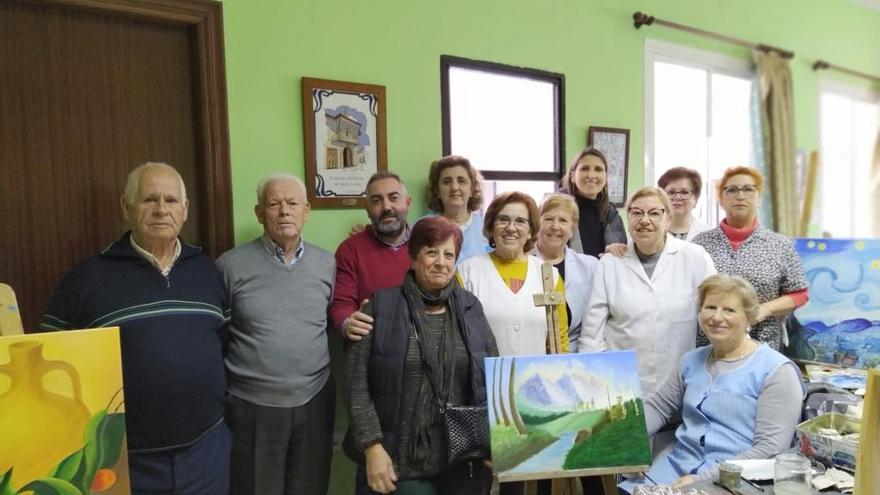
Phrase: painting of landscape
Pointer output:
(841, 322)
(566, 415)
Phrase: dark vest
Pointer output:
(390, 336)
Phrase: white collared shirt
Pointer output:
(155, 261)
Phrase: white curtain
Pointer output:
(777, 119)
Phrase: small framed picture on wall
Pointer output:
(344, 131)
(614, 144)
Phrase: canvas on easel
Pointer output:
(62, 414)
(566, 415)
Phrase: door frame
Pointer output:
(204, 18)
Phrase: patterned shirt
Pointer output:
(768, 261)
(277, 251)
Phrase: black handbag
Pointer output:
(466, 427)
(467, 432)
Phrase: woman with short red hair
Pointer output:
(741, 246)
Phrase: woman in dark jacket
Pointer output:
(428, 332)
(599, 224)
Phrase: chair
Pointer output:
(10, 318)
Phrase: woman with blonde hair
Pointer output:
(645, 299)
(737, 398)
(559, 218)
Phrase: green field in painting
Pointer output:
(614, 443)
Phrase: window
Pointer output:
(508, 121)
(699, 113)
(849, 127)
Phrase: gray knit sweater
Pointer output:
(277, 354)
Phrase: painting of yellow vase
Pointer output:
(62, 414)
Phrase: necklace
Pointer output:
(748, 349)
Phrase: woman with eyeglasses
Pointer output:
(646, 299)
(683, 186)
(737, 399)
(741, 246)
(505, 279)
(599, 225)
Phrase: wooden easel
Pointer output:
(10, 318)
(549, 299)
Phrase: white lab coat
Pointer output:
(656, 317)
(520, 327)
(579, 269)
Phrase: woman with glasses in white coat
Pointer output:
(646, 299)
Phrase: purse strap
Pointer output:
(441, 402)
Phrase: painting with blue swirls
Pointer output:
(841, 322)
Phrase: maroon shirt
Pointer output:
(364, 264)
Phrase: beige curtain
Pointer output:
(875, 188)
(777, 121)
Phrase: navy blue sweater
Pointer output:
(170, 334)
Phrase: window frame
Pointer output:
(853, 92)
(554, 78)
(713, 63)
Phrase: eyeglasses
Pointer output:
(654, 214)
(518, 222)
(747, 191)
(681, 193)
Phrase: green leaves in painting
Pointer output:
(6, 483)
(74, 475)
(51, 486)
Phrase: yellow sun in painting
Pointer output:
(875, 264)
(859, 245)
(822, 246)
(811, 244)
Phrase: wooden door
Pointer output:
(90, 89)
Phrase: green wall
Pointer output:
(271, 44)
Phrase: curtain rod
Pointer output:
(821, 64)
(642, 19)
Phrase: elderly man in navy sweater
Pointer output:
(281, 394)
(168, 300)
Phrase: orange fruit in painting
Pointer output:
(104, 479)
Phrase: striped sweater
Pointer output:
(170, 335)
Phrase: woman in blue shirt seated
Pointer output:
(738, 398)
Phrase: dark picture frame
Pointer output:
(614, 144)
(345, 140)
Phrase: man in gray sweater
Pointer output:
(281, 395)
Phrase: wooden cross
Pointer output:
(549, 299)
